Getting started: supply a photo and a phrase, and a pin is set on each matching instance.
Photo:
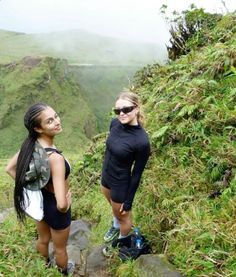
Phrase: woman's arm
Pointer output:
(11, 166)
(63, 196)
(141, 158)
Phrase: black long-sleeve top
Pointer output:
(126, 154)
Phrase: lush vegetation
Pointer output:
(185, 204)
(48, 80)
(17, 253)
(189, 30)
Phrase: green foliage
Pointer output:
(86, 182)
(17, 254)
(47, 80)
(6, 187)
(189, 30)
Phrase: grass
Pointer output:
(18, 257)
(6, 187)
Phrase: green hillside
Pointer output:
(35, 79)
(186, 202)
(78, 47)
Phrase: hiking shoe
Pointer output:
(70, 267)
(111, 234)
(50, 261)
(107, 251)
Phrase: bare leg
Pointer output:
(124, 220)
(106, 193)
(44, 236)
(59, 240)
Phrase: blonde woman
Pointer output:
(126, 154)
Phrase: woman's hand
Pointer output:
(11, 166)
(68, 198)
(121, 209)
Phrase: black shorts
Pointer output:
(117, 195)
(54, 218)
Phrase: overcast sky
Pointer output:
(135, 19)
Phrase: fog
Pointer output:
(138, 20)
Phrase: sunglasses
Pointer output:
(124, 110)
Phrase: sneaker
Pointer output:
(107, 251)
(111, 234)
(51, 261)
(70, 267)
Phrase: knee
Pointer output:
(60, 251)
(124, 219)
(43, 240)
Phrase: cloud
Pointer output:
(132, 19)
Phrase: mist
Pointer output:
(136, 20)
(80, 47)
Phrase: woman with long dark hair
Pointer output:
(43, 123)
(127, 152)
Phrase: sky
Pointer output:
(130, 19)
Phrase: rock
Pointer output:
(155, 265)
(5, 213)
(96, 262)
(74, 254)
(79, 232)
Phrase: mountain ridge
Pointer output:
(48, 80)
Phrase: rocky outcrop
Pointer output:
(90, 261)
(151, 265)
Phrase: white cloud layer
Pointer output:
(133, 19)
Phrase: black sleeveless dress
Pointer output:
(52, 216)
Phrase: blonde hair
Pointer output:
(133, 98)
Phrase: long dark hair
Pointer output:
(31, 120)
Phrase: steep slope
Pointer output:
(186, 202)
(190, 183)
(47, 80)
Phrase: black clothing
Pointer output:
(67, 165)
(52, 216)
(117, 195)
(127, 152)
